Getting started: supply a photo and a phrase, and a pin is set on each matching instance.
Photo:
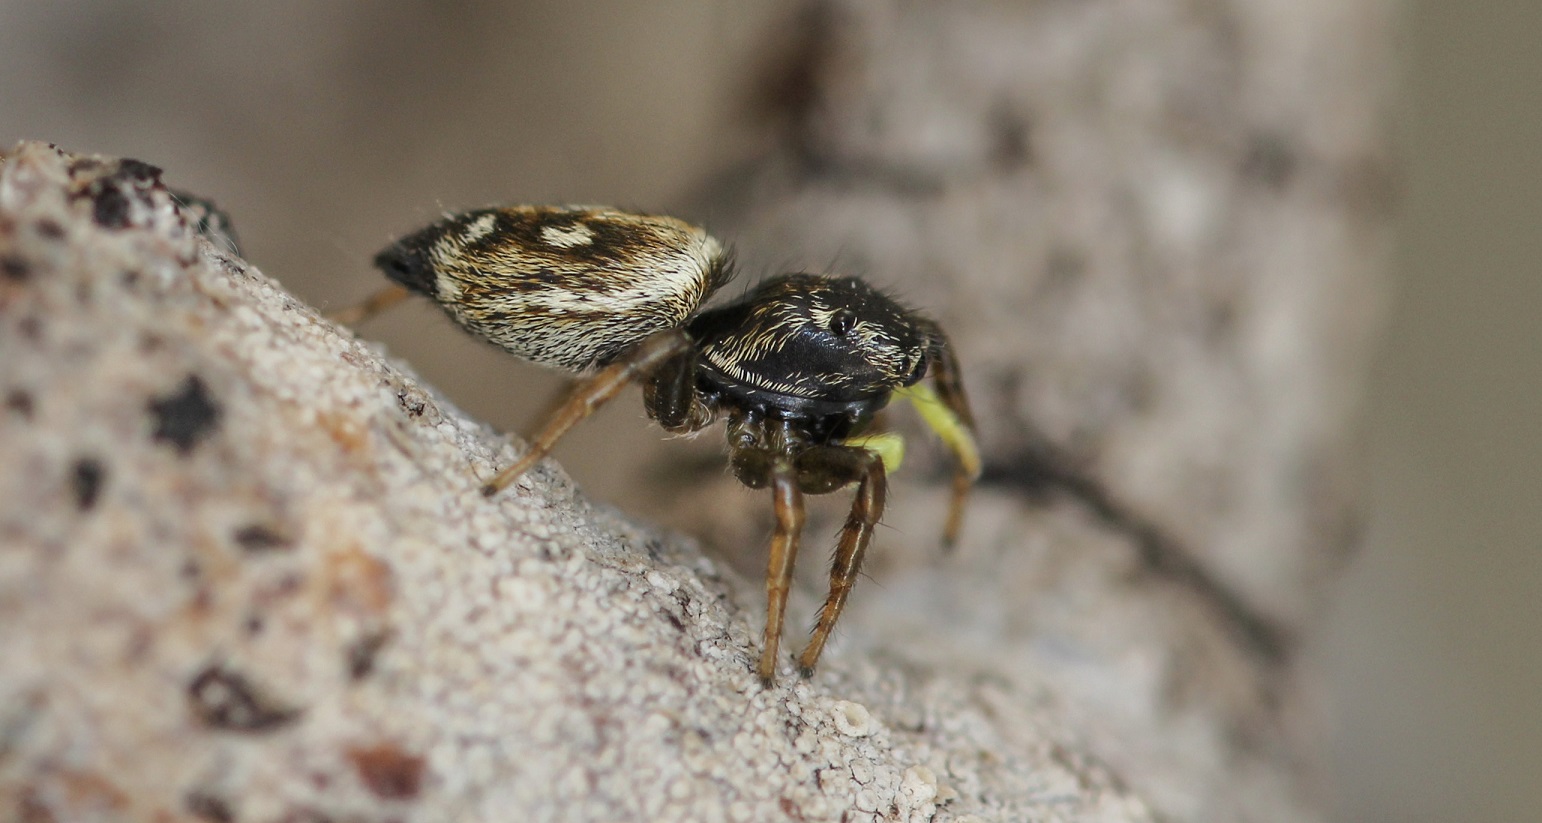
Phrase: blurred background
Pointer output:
(326, 129)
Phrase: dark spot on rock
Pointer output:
(50, 229)
(30, 808)
(388, 771)
(186, 416)
(14, 268)
(190, 570)
(254, 624)
(113, 196)
(258, 538)
(363, 652)
(129, 279)
(111, 208)
(208, 806)
(20, 401)
(305, 815)
(413, 405)
(225, 699)
(1270, 160)
(86, 481)
(30, 327)
(1064, 266)
(1013, 144)
(137, 171)
(1221, 315)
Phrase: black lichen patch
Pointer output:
(113, 196)
(14, 268)
(111, 208)
(186, 416)
(259, 538)
(137, 171)
(50, 229)
(86, 480)
(20, 402)
(225, 699)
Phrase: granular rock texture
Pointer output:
(246, 573)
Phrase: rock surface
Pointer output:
(245, 573)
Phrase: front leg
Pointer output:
(758, 466)
(947, 411)
(671, 399)
(830, 467)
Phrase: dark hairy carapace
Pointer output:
(797, 368)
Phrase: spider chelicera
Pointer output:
(798, 367)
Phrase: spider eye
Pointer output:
(842, 322)
(917, 371)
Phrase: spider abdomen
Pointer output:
(563, 286)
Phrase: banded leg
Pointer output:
(372, 305)
(590, 395)
(866, 510)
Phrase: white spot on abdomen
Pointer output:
(567, 238)
(479, 228)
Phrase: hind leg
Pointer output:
(649, 355)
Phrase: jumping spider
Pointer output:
(799, 366)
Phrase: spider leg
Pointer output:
(758, 464)
(823, 466)
(371, 306)
(590, 395)
(671, 399)
(946, 411)
(788, 503)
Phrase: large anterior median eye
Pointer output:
(842, 322)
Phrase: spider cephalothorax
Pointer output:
(805, 343)
(797, 368)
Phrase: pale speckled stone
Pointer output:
(521, 658)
